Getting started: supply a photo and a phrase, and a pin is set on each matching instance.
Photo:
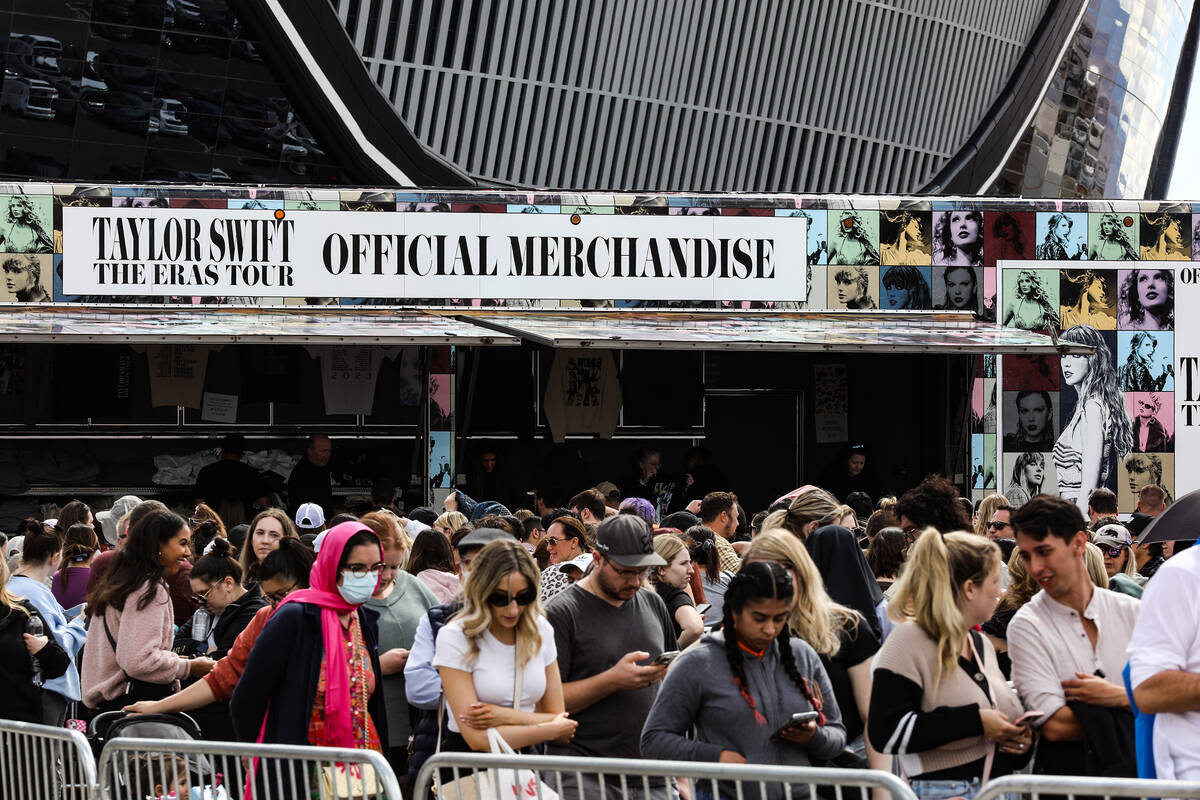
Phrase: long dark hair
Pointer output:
(761, 580)
(430, 550)
(78, 546)
(137, 563)
(703, 551)
(73, 512)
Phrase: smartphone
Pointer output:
(664, 658)
(798, 719)
(703, 608)
(1029, 718)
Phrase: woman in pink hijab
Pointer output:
(312, 675)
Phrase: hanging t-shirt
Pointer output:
(348, 375)
(177, 372)
(583, 394)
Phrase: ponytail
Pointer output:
(704, 551)
(810, 506)
(79, 546)
(927, 593)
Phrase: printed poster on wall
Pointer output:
(1127, 416)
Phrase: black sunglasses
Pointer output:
(997, 525)
(502, 599)
(1113, 552)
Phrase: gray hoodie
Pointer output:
(698, 691)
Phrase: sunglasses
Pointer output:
(502, 599)
(1113, 552)
(997, 525)
(200, 599)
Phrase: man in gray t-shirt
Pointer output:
(607, 629)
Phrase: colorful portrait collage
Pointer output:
(1074, 267)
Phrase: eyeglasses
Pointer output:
(275, 598)
(628, 573)
(360, 570)
(997, 525)
(502, 599)
(1113, 552)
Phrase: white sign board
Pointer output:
(257, 253)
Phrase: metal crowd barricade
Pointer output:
(132, 768)
(38, 761)
(455, 776)
(1036, 786)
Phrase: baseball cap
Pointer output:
(481, 537)
(1138, 523)
(581, 562)
(628, 541)
(1112, 535)
(310, 516)
(608, 489)
(109, 519)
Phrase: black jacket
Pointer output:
(280, 679)
(233, 621)
(21, 699)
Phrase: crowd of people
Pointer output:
(923, 634)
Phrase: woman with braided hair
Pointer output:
(737, 688)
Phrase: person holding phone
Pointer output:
(939, 701)
(740, 687)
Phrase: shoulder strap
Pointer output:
(991, 753)
(108, 633)
(518, 676)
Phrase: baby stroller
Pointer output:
(151, 775)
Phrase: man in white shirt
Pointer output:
(1164, 665)
(1068, 643)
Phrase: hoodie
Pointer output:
(699, 691)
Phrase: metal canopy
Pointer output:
(874, 332)
(222, 325)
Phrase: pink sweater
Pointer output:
(144, 639)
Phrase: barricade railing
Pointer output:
(134, 768)
(1035, 786)
(45, 762)
(457, 776)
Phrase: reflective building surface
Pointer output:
(147, 90)
(1098, 126)
(1078, 98)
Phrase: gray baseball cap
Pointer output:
(629, 541)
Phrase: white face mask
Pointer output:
(357, 589)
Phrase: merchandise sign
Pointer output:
(264, 253)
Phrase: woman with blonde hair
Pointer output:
(1021, 589)
(449, 522)
(844, 644)
(671, 582)
(987, 507)
(804, 514)
(939, 701)
(266, 531)
(497, 658)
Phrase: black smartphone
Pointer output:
(798, 719)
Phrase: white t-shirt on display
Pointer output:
(494, 670)
(1167, 637)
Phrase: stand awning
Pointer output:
(869, 332)
(172, 325)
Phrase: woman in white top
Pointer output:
(501, 627)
